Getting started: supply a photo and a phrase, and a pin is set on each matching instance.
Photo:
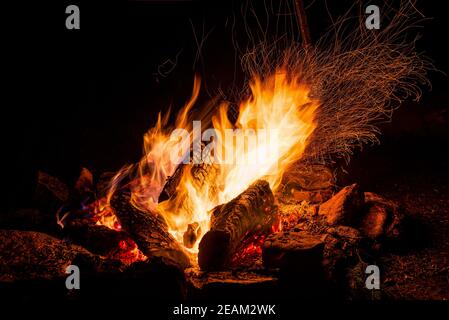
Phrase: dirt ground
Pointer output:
(419, 270)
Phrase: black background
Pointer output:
(85, 97)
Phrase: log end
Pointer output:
(213, 249)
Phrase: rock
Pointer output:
(309, 177)
(374, 223)
(344, 207)
(382, 218)
(292, 248)
(340, 248)
(313, 183)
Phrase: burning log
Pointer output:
(231, 222)
(201, 172)
(344, 206)
(172, 183)
(149, 230)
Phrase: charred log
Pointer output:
(148, 229)
(96, 238)
(29, 255)
(172, 183)
(298, 248)
(232, 222)
(201, 171)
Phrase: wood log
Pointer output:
(149, 230)
(238, 284)
(299, 257)
(201, 171)
(97, 239)
(172, 183)
(231, 222)
(33, 268)
(29, 255)
(301, 248)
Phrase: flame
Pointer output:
(268, 136)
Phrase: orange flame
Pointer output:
(269, 135)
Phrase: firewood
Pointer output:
(148, 229)
(201, 171)
(33, 263)
(281, 249)
(232, 222)
(95, 238)
(29, 255)
(299, 257)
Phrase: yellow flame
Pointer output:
(269, 135)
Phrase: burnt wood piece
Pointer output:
(201, 172)
(253, 210)
(148, 229)
(30, 255)
(96, 238)
(33, 266)
(301, 248)
(172, 183)
(299, 257)
(238, 284)
(345, 207)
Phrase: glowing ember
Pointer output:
(127, 252)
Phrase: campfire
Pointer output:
(244, 192)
